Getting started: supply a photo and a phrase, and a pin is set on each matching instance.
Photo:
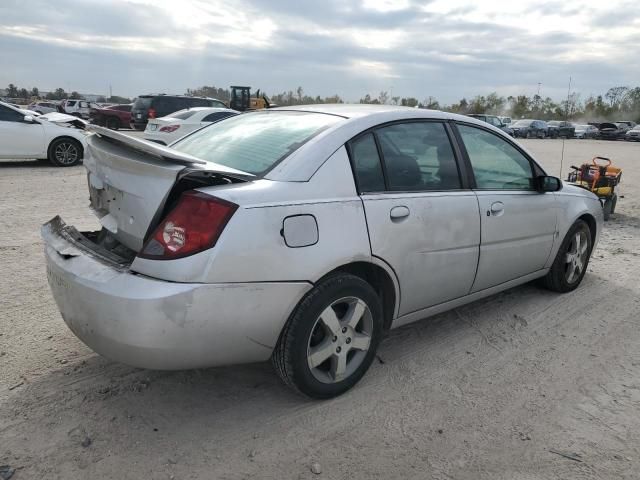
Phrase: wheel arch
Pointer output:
(382, 278)
(593, 226)
(66, 137)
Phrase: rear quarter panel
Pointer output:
(252, 249)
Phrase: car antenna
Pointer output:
(566, 119)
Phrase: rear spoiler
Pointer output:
(162, 152)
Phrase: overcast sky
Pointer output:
(442, 48)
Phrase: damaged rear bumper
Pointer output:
(151, 323)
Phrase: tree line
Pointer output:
(618, 103)
(58, 94)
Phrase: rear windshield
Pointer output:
(255, 142)
(183, 114)
(523, 123)
(142, 103)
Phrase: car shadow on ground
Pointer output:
(119, 407)
(97, 379)
(26, 164)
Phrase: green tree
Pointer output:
(23, 93)
(76, 96)
(12, 91)
(409, 102)
(35, 92)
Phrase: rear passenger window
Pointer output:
(418, 156)
(366, 164)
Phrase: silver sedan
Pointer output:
(302, 235)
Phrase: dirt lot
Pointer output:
(499, 389)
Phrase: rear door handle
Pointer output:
(399, 212)
(497, 209)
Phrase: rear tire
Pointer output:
(331, 337)
(609, 207)
(65, 152)
(614, 202)
(572, 259)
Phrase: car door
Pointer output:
(518, 223)
(20, 139)
(421, 219)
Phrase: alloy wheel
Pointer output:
(66, 153)
(340, 339)
(576, 257)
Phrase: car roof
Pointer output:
(302, 164)
(357, 110)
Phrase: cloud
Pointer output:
(442, 48)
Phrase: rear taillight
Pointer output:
(194, 225)
(151, 113)
(170, 128)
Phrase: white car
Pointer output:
(166, 130)
(55, 136)
(43, 107)
(77, 108)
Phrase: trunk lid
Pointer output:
(131, 179)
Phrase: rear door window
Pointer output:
(418, 156)
(366, 164)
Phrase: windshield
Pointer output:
(255, 142)
(523, 123)
(553, 123)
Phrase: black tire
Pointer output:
(112, 122)
(607, 208)
(72, 147)
(528, 134)
(614, 202)
(291, 356)
(556, 279)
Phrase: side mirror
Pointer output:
(29, 119)
(549, 184)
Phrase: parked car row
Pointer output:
(532, 128)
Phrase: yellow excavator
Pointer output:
(241, 99)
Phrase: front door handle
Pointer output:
(399, 212)
(497, 209)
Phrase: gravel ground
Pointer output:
(527, 384)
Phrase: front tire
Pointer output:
(65, 152)
(331, 337)
(572, 259)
